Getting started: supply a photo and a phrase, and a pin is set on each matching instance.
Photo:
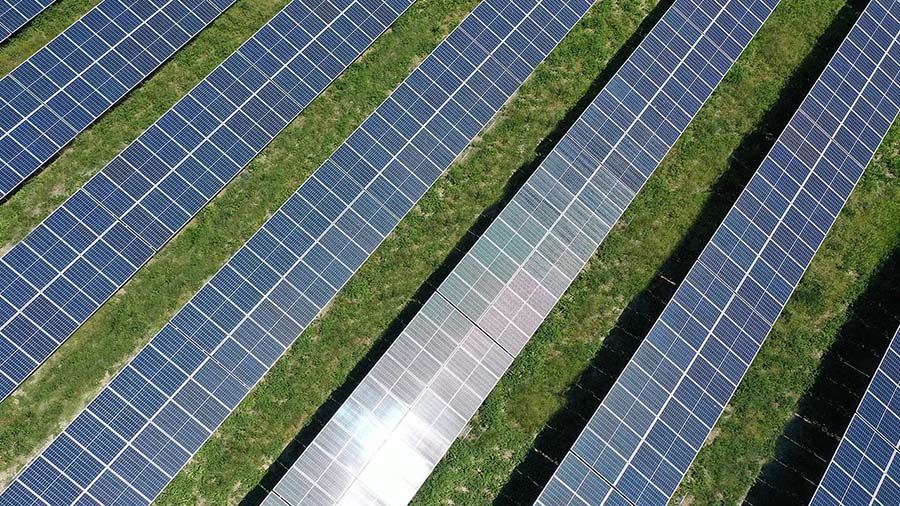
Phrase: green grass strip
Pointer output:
(866, 234)
(41, 30)
(388, 289)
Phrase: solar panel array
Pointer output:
(387, 437)
(866, 467)
(64, 87)
(65, 269)
(143, 427)
(652, 423)
(14, 14)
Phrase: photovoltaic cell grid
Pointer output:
(387, 437)
(64, 87)
(657, 415)
(142, 428)
(66, 268)
(866, 467)
(14, 14)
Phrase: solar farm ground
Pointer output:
(538, 407)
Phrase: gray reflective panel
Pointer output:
(157, 412)
(64, 87)
(655, 418)
(865, 469)
(68, 266)
(14, 14)
(387, 437)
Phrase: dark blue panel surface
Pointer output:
(14, 14)
(866, 467)
(60, 90)
(178, 389)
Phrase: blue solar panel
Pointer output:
(650, 426)
(580, 486)
(64, 87)
(866, 467)
(14, 14)
(386, 438)
(135, 436)
(66, 268)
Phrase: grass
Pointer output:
(366, 312)
(615, 297)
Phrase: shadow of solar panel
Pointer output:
(14, 14)
(397, 424)
(134, 437)
(650, 426)
(68, 266)
(64, 87)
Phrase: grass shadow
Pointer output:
(303, 438)
(586, 393)
(811, 437)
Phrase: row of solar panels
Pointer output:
(135, 436)
(70, 264)
(651, 424)
(59, 91)
(408, 411)
(14, 14)
(160, 409)
(865, 468)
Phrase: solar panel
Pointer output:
(656, 417)
(157, 412)
(866, 467)
(64, 87)
(386, 438)
(67, 267)
(15, 14)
